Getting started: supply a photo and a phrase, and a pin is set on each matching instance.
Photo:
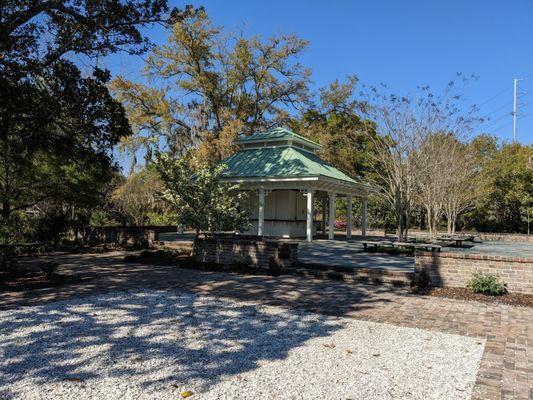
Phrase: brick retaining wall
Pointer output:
(456, 269)
(258, 252)
(509, 237)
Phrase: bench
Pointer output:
(375, 243)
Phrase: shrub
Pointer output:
(486, 284)
(8, 259)
(275, 266)
(18, 228)
(49, 269)
(242, 262)
(422, 280)
(339, 225)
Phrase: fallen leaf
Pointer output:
(75, 379)
(329, 345)
(376, 354)
(349, 351)
(186, 394)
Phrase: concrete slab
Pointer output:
(341, 253)
(497, 248)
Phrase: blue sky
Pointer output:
(401, 43)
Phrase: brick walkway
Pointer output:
(506, 370)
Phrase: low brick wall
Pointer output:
(456, 269)
(259, 252)
(136, 237)
(509, 237)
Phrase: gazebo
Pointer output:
(284, 175)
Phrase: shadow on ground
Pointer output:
(181, 339)
(55, 341)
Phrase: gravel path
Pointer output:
(158, 344)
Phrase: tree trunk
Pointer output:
(454, 223)
(6, 209)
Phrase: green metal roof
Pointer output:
(279, 133)
(280, 162)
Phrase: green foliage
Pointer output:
(8, 259)
(336, 125)
(422, 280)
(199, 197)
(55, 222)
(504, 202)
(242, 262)
(137, 198)
(49, 269)
(215, 85)
(18, 228)
(486, 284)
(58, 126)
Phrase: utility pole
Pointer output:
(515, 109)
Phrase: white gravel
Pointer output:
(157, 344)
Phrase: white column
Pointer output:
(261, 215)
(324, 205)
(309, 227)
(331, 215)
(363, 217)
(349, 217)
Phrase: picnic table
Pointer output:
(407, 245)
(420, 246)
(375, 243)
(457, 239)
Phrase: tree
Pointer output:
(431, 176)
(336, 125)
(403, 124)
(36, 34)
(48, 110)
(199, 197)
(83, 123)
(526, 210)
(211, 86)
(137, 197)
(510, 180)
(462, 182)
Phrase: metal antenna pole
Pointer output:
(515, 109)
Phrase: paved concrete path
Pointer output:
(350, 254)
(506, 370)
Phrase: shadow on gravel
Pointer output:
(120, 334)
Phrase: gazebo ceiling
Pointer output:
(280, 159)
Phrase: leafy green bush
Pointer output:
(242, 262)
(422, 280)
(18, 228)
(486, 284)
(8, 259)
